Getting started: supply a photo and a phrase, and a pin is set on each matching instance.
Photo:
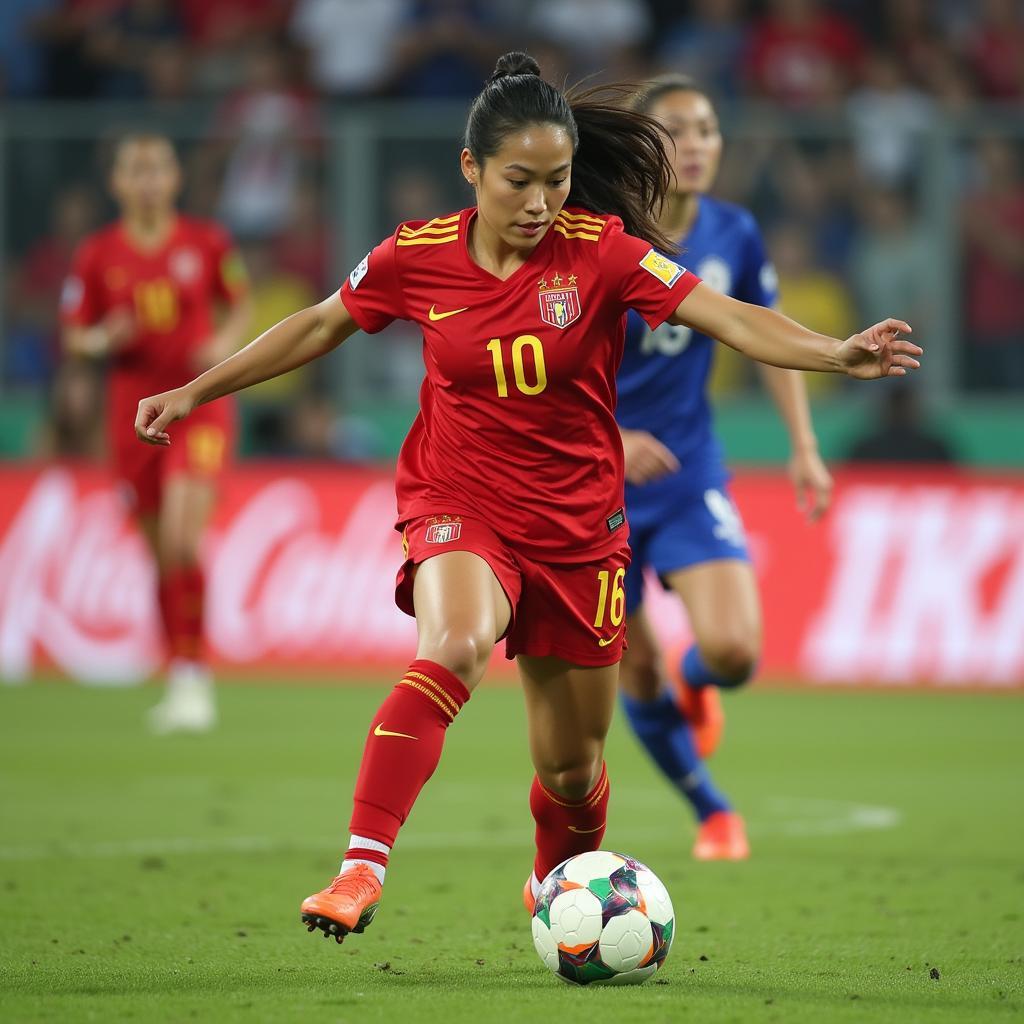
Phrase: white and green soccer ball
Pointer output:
(603, 918)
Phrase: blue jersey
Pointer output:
(662, 381)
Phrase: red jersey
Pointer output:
(171, 292)
(516, 424)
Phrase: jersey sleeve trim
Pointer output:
(682, 287)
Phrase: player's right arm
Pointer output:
(89, 327)
(295, 341)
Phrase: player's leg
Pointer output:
(724, 610)
(699, 551)
(461, 611)
(187, 502)
(658, 723)
(568, 711)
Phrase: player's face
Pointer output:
(691, 124)
(523, 185)
(146, 177)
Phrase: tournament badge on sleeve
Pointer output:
(559, 306)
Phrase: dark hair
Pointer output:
(619, 161)
(663, 85)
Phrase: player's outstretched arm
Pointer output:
(807, 470)
(770, 337)
(294, 341)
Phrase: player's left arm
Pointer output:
(807, 470)
(769, 337)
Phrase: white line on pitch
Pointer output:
(785, 816)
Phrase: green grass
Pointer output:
(145, 879)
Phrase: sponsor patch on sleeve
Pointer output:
(662, 268)
(359, 273)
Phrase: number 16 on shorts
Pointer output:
(611, 602)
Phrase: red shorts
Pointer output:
(201, 446)
(573, 611)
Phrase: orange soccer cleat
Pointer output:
(529, 900)
(346, 905)
(722, 836)
(701, 706)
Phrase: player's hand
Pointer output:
(157, 413)
(813, 482)
(647, 458)
(119, 327)
(879, 352)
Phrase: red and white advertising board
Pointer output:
(913, 578)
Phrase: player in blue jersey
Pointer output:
(683, 523)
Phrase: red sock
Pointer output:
(165, 603)
(182, 592)
(402, 751)
(190, 621)
(564, 827)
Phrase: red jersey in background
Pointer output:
(171, 292)
(516, 424)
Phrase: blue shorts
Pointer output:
(701, 527)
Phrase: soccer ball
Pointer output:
(603, 918)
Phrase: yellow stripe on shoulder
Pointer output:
(427, 231)
(583, 219)
(562, 230)
(428, 240)
(437, 224)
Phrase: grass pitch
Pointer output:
(148, 879)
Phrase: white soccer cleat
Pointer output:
(188, 705)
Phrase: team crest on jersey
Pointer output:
(662, 268)
(559, 301)
(185, 265)
(442, 529)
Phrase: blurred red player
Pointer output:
(143, 293)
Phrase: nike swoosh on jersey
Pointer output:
(584, 831)
(434, 315)
(605, 641)
(378, 731)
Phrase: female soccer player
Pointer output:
(683, 523)
(510, 481)
(142, 294)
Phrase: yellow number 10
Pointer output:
(618, 603)
(540, 375)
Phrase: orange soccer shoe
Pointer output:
(722, 836)
(529, 900)
(701, 706)
(346, 905)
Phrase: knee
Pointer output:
(572, 778)
(732, 657)
(640, 674)
(463, 652)
(176, 551)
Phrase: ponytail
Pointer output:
(620, 165)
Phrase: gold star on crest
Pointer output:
(542, 283)
(557, 280)
(572, 280)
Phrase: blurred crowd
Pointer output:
(844, 219)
